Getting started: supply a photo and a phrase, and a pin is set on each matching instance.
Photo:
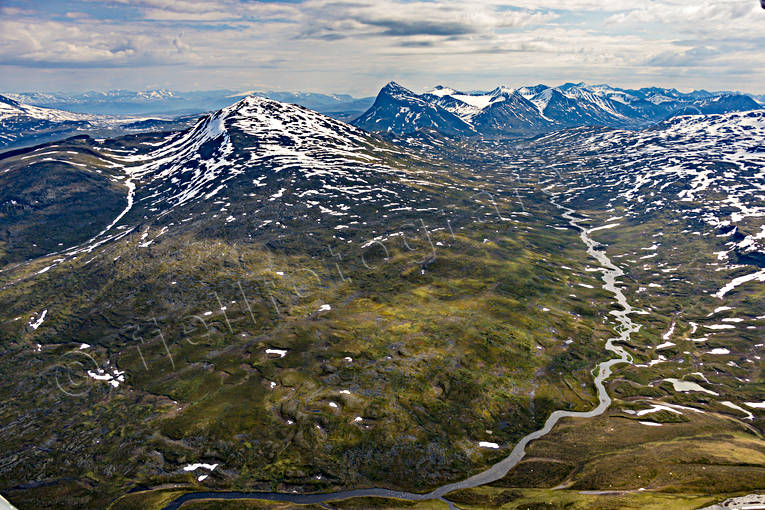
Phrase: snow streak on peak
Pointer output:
(477, 100)
(252, 142)
(502, 91)
(440, 91)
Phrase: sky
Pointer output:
(356, 46)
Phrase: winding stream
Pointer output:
(610, 274)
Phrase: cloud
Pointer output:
(692, 56)
(205, 10)
(711, 19)
(406, 19)
(398, 27)
(181, 9)
(707, 12)
(356, 44)
(54, 43)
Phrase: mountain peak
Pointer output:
(404, 111)
(570, 85)
(394, 89)
(502, 90)
(256, 142)
(259, 106)
(262, 116)
(250, 100)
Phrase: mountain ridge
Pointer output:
(290, 303)
(539, 108)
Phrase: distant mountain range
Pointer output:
(36, 117)
(534, 109)
(23, 124)
(126, 102)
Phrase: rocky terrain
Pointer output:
(272, 300)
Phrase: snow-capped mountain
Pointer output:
(724, 103)
(509, 112)
(538, 108)
(257, 165)
(19, 121)
(12, 108)
(399, 110)
(577, 107)
(23, 124)
(284, 151)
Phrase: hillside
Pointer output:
(274, 300)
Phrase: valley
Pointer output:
(382, 255)
(278, 302)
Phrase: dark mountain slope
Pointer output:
(399, 110)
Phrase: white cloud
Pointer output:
(56, 43)
(707, 13)
(355, 45)
(388, 17)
